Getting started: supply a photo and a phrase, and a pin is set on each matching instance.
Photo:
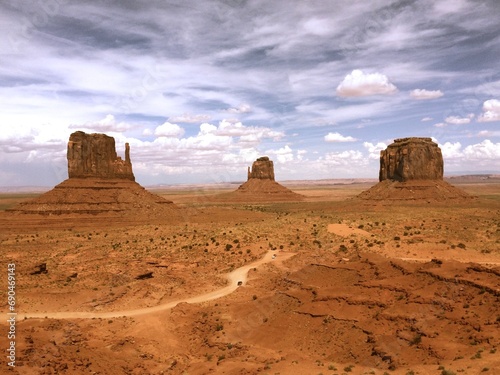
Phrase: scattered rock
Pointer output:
(40, 268)
(147, 275)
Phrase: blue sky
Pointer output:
(200, 89)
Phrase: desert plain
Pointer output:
(330, 284)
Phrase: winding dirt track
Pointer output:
(239, 274)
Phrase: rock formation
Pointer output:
(411, 159)
(412, 169)
(261, 186)
(99, 182)
(94, 155)
(262, 168)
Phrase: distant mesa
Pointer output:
(261, 186)
(99, 182)
(412, 169)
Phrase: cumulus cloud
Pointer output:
(425, 119)
(422, 94)
(242, 108)
(189, 118)
(249, 134)
(374, 149)
(456, 120)
(337, 137)
(485, 150)
(169, 130)
(107, 124)
(451, 150)
(283, 154)
(345, 158)
(358, 83)
(440, 125)
(491, 111)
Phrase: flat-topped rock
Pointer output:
(411, 169)
(411, 159)
(99, 183)
(94, 155)
(262, 169)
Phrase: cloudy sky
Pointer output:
(200, 89)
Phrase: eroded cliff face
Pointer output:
(262, 168)
(94, 155)
(411, 159)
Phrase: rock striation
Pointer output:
(262, 169)
(99, 182)
(94, 155)
(412, 169)
(411, 159)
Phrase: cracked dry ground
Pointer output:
(342, 305)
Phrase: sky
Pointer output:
(200, 89)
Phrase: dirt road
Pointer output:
(234, 277)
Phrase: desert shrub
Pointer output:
(417, 339)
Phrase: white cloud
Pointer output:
(491, 111)
(189, 118)
(440, 125)
(242, 108)
(451, 150)
(455, 120)
(422, 94)
(107, 124)
(345, 158)
(374, 149)
(484, 150)
(337, 137)
(169, 130)
(425, 119)
(300, 154)
(283, 154)
(358, 83)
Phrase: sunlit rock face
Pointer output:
(94, 155)
(411, 159)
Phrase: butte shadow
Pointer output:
(99, 183)
(411, 169)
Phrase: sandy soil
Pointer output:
(356, 287)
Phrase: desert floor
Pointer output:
(355, 287)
